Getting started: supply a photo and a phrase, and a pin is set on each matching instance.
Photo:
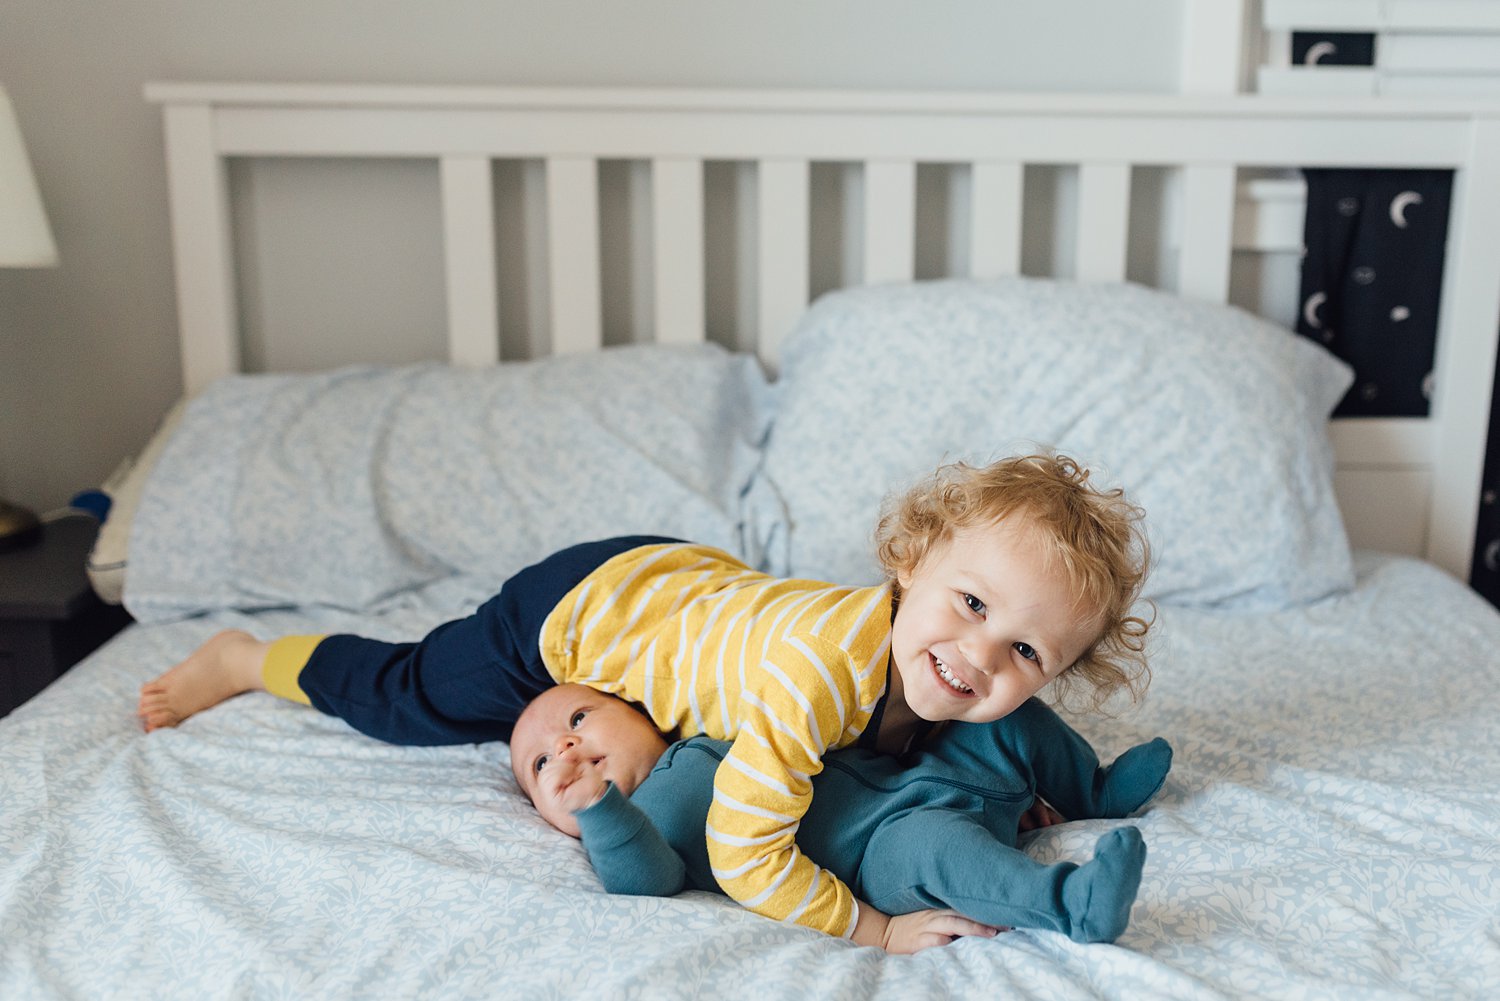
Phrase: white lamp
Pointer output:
(25, 242)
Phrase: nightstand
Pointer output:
(49, 616)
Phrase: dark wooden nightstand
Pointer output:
(49, 616)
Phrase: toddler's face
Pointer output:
(985, 623)
(570, 740)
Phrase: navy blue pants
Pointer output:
(467, 681)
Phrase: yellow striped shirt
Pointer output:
(785, 669)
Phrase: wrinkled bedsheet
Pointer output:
(1331, 829)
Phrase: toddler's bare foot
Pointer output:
(225, 666)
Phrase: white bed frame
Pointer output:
(1407, 485)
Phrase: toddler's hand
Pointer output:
(908, 933)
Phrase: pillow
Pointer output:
(349, 488)
(110, 556)
(1212, 420)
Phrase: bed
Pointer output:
(1330, 827)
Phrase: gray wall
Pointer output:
(88, 353)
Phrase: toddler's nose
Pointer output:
(984, 654)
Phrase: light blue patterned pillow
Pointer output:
(350, 487)
(1213, 420)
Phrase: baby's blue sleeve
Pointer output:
(627, 851)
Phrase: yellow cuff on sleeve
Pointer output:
(284, 662)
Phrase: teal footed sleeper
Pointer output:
(934, 828)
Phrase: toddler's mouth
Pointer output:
(949, 678)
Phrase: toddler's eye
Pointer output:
(577, 719)
(1026, 650)
(542, 762)
(975, 605)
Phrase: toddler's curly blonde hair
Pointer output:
(1095, 535)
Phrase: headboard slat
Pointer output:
(573, 253)
(206, 296)
(890, 220)
(785, 239)
(1469, 315)
(677, 231)
(995, 219)
(469, 254)
(1103, 220)
(1207, 232)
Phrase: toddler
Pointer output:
(932, 829)
(1002, 579)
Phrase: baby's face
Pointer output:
(571, 740)
(985, 622)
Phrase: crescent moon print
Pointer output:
(1318, 51)
(1310, 309)
(1399, 205)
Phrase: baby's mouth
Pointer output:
(578, 773)
(949, 678)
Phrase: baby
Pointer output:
(1001, 580)
(935, 828)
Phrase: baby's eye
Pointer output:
(975, 605)
(1028, 651)
(541, 762)
(577, 719)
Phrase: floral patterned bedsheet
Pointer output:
(1331, 829)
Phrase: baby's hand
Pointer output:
(1038, 816)
(584, 791)
(920, 930)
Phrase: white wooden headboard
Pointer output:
(1407, 484)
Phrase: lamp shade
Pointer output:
(25, 238)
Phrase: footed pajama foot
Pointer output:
(1098, 894)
